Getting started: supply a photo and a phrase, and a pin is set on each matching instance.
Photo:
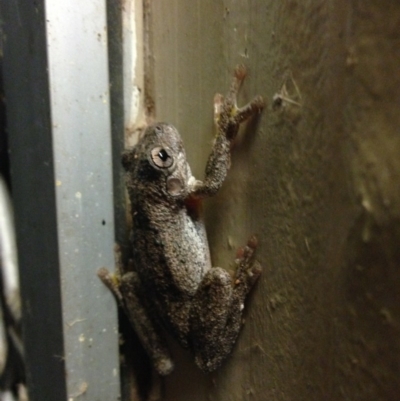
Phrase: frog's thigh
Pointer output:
(211, 303)
(149, 332)
(211, 310)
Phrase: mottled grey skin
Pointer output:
(173, 285)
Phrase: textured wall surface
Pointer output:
(318, 180)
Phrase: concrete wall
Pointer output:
(318, 180)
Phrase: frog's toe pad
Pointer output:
(164, 366)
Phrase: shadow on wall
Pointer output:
(372, 300)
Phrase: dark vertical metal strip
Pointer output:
(29, 127)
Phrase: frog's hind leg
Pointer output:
(149, 332)
(208, 318)
(216, 315)
(126, 289)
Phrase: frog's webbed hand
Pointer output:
(228, 118)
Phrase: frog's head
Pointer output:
(158, 160)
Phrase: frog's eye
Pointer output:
(161, 157)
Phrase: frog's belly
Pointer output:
(171, 252)
(187, 256)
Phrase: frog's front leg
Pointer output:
(217, 309)
(228, 118)
(126, 289)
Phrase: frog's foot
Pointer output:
(248, 271)
(112, 282)
(227, 114)
(163, 364)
